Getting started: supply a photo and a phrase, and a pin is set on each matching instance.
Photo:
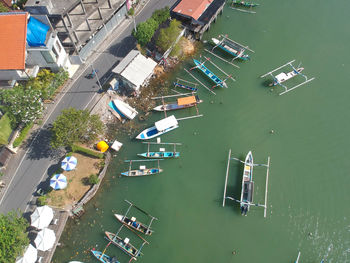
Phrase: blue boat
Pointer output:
(160, 127)
(234, 51)
(209, 74)
(103, 257)
(156, 155)
(143, 171)
(176, 84)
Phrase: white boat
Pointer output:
(125, 109)
(282, 77)
(160, 127)
(247, 184)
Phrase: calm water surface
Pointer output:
(308, 197)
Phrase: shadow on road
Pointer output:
(123, 48)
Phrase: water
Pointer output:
(308, 197)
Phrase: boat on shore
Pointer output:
(124, 245)
(125, 109)
(160, 154)
(282, 77)
(181, 103)
(176, 84)
(142, 171)
(160, 127)
(209, 74)
(247, 184)
(234, 51)
(103, 257)
(243, 3)
(133, 224)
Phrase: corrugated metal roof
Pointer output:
(192, 8)
(166, 123)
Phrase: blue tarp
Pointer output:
(36, 32)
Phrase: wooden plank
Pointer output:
(199, 82)
(267, 183)
(227, 171)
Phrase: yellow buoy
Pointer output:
(102, 146)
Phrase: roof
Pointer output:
(166, 123)
(186, 100)
(13, 32)
(192, 8)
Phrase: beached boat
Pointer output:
(103, 257)
(247, 184)
(181, 103)
(243, 3)
(160, 154)
(142, 171)
(132, 223)
(160, 127)
(176, 84)
(124, 245)
(233, 50)
(282, 77)
(125, 109)
(209, 74)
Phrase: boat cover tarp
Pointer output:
(166, 123)
(186, 100)
(36, 33)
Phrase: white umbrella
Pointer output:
(41, 217)
(69, 163)
(58, 181)
(29, 256)
(45, 239)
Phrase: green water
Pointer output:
(309, 178)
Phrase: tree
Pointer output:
(75, 126)
(161, 15)
(13, 238)
(144, 31)
(93, 179)
(3, 8)
(23, 104)
(168, 35)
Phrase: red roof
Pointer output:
(13, 34)
(192, 8)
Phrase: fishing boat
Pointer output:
(160, 154)
(233, 50)
(181, 103)
(103, 257)
(247, 184)
(124, 245)
(142, 171)
(133, 224)
(243, 3)
(176, 84)
(209, 74)
(125, 109)
(282, 77)
(160, 127)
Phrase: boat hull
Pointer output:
(175, 106)
(126, 110)
(230, 50)
(135, 225)
(185, 87)
(126, 248)
(144, 172)
(247, 184)
(103, 257)
(209, 74)
(152, 132)
(244, 4)
(159, 155)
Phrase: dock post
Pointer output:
(267, 183)
(227, 170)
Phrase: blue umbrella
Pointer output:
(58, 181)
(69, 163)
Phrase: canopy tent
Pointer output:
(36, 33)
(58, 181)
(30, 255)
(186, 100)
(45, 239)
(166, 123)
(69, 163)
(41, 217)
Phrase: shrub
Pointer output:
(161, 15)
(23, 134)
(87, 151)
(93, 179)
(131, 11)
(42, 200)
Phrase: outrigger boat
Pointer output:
(247, 184)
(135, 225)
(125, 109)
(103, 257)
(243, 3)
(162, 153)
(124, 245)
(181, 103)
(160, 127)
(234, 50)
(176, 84)
(209, 74)
(142, 171)
(282, 77)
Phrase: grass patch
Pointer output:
(23, 134)
(5, 129)
(87, 151)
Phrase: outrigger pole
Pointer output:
(227, 75)
(235, 42)
(270, 73)
(222, 58)
(227, 170)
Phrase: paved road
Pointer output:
(40, 160)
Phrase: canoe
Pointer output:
(125, 109)
(185, 87)
(103, 257)
(209, 74)
(181, 103)
(282, 77)
(135, 225)
(160, 127)
(143, 171)
(247, 184)
(159, 155)
(124, 245)
(234, 51)
(244, 4)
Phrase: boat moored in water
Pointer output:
(181, 103)
(103, 257)
(160, 154)
(123, 244)
(243, 3)
(247, 184)
(142, 171)
(209, 74)
(232, 49)
(160, 127)
(282, 77)
(133, 224)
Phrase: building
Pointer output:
(197, 15)
(81, 26)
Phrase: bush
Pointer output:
(42, 200)
(161, 15)
(87, 151)
(167, 36)
(23, 134)
(93, 179)
(131, 11)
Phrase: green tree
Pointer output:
(168, 35)
(3, 8)
(161, 15)
(75, 126)
(23, 104)
(144, 31)
(93, 179)
(13, 238)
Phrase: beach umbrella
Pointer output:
(41, 217)
(30, 255)
(69, 163)
(45, 239)
(58, 181)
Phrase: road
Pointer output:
(39, 160)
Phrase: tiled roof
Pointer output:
(192, 8)
(13, 32)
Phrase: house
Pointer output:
(197, 15)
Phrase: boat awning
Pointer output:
(186, 100)
(281, 77)
(166, 123)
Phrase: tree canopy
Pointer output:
(168, 35)
(13, 238)
(75, 126)
(161, 15)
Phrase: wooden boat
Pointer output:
(103, 257)
(244, 3)
(142, 171)
(176, 84)
(133, 224)
(234, 51)
(160, 127)
(282, 77)
(124, 245)
(247, 184)
(181, 103)
(209, 74)
(160, 154)
(125, 109)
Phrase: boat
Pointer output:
(123, 244)
(133, 224)
(103, 257)
(234, 51)
(160, 127)
(247, 184)
(176, 84)
(282, 77)
(125, 109)
(160, 154)
(243, 3)
(181, 103)
(209, 74)
(142, 171)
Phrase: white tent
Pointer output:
(166, 123)
(30, 255)
(45, 239)
(41, 217)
